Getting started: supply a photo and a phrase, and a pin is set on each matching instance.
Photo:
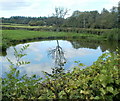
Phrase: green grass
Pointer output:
(24, 26)
(25, 34)
(9, 25)
(9, 36)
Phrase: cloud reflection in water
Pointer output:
(37, 54)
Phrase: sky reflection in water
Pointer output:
(37, 54)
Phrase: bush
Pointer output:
(99, 81)
(113, 34)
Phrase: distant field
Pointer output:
(22, 26)
(53, 28)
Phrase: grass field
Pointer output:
(53, 28)
(22, 26)
(25, 34)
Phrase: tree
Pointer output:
(104, 11)
(119, 14)
(114, 9)
(76, 13)
(58, 53)
(60, 14)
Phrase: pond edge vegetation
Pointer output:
(99, 81)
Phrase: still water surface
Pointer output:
(38, 54)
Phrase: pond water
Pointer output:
(44, 55)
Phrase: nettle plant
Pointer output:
(15, 86)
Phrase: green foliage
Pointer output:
(99, 81)
(93, 19)
(15, 86)
(37, 23)
(18, 55)
(114, 34)
(118, 17)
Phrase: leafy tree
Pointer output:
(119, 14)
(87, 19)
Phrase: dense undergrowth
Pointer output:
(99, 81)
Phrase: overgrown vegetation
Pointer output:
(97, 82)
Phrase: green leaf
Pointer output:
(17, 73)
(97, 98)
(103, 71)
(81, 64)
(102, 77)
(10, 61)
(110, 89)
(34, 76)
(103, 91)
(103, 84)
(117, 82)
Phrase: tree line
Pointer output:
(107, 19)
(93, 19)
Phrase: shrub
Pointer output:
(15, 86)
(113, 34)
(99, 81)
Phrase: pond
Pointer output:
(44, 55)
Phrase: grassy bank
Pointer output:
(24, 34)
(15, 36)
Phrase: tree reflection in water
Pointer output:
(58, 55)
